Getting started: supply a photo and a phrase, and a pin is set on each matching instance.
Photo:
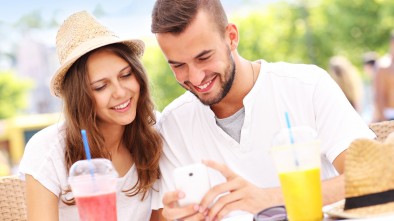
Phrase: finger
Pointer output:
(223, 169)
(195, 217)
(180, 212)
(220, 189)
(238, 205)
(223, 202)
(171, 209)
(170, 198)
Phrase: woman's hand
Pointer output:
(172, 211)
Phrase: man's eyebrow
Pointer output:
(174, 62)
(203, 53)
(197, 56)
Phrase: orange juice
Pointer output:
(302, 194)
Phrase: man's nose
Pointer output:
(196, 75)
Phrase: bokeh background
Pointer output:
(298, 31)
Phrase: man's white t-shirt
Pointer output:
(44, 160)
(306, 92)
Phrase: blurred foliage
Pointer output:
(13, 94)
(35, 20)
(32, 20)
(164, 86)
(298, 31)
(99, 11)
(313, 31)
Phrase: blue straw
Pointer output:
(87, 151)
(291, 138)
(86, 145)
(289, 127)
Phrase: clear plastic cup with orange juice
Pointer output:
(296, 154)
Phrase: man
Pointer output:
(370, 67)
(234, 107)
(384, 88)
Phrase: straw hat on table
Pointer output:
(79, 34)
(369, 180)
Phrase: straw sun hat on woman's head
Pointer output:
(369, 180)
(79, 34)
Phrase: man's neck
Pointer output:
(224, 110)
(246, 75)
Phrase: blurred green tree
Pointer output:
(164, 86)
(13, 94)
(303, 31)
(297, 31)
(31, 20)
(35, 20)
(354, 27)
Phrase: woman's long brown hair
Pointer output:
(140, 137)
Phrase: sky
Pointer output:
(124, 17)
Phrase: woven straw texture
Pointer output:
(79, 34)
(382, 129)
(12, 199)
(369, 168)
(337, 210)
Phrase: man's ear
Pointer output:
(232, 36)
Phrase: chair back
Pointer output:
(12, 199)
(382, 129)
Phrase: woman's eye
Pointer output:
(99, 88)
(126, 75)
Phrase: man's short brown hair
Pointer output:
(174, 16)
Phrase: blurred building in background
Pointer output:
(27, 48)
(36, 61)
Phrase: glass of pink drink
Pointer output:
(93, 183)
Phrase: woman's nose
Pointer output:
(118, 90)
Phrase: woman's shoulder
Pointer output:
(46, 143)
(44, 159)
(49, 134)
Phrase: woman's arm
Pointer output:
(42, 204)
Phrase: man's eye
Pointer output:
(204, 58)
(177, 65)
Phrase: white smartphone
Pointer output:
(193, 180)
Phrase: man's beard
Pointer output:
(226, 85)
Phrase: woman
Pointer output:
(348, 79)
(105, 90)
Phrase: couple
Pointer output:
(228, 117)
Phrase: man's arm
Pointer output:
(243, 195)
(334, 189)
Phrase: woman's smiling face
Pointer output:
(114, 86)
